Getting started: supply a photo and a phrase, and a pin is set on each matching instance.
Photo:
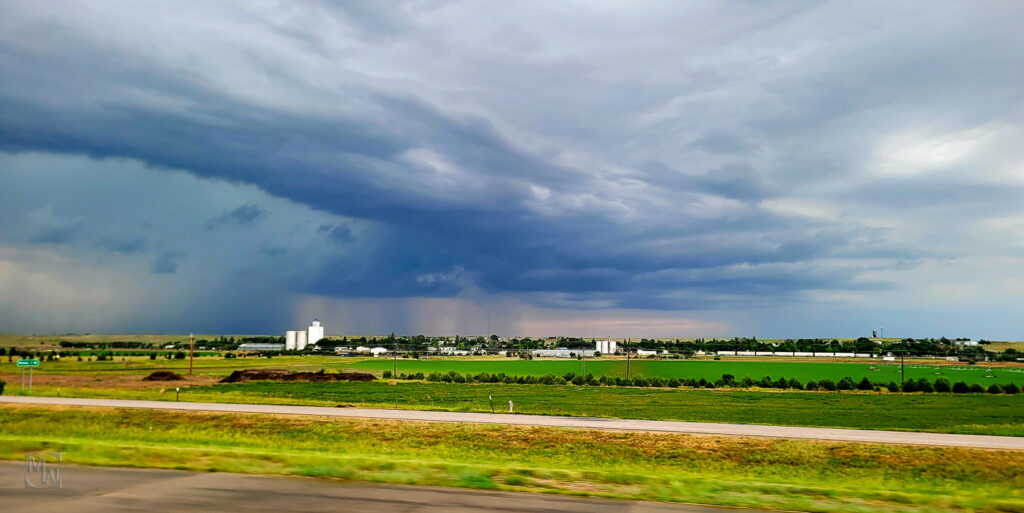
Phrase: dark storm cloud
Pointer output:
(47, 227)
(677, 163)
(123, 244)
(241, 216)
(166, 262)
(338, 233)
(54, 234)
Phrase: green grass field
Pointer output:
(764, 473)
(710, 369)
(960, 413)
(948, 413)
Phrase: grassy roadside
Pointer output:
(945, 413)
(794, 475)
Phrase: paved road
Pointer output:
(113, 490)
(843, 435)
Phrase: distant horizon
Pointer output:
(467, 335)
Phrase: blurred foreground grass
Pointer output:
(766, 473)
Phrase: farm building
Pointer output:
(375, 351)
(449, 351)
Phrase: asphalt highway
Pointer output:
(119, 490)
(833, 434)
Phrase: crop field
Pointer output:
(711, 369)
(766, 473)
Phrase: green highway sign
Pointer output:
(28, 363)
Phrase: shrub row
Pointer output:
(726, 381)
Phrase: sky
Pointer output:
(670, 169)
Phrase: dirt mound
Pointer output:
(285, 375)
(163, 376)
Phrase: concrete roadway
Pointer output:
(832, 434)
(115, 490)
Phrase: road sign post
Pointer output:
(24, 362)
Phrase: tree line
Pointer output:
(940, 385)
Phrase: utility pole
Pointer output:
(584, 362)
(191, 351)
(627, 358)
(902, 368)
(394, 367)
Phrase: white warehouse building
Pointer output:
(299, 339)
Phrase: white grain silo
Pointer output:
(290, 338)
(300, 340)
(612, 347)
(316, 332)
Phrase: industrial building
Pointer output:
(298, 340)
(605, 346)
(260, 347)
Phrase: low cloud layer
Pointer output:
(723, 168)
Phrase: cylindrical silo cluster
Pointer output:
(605, 346)
(290, 340)
(300, 340)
